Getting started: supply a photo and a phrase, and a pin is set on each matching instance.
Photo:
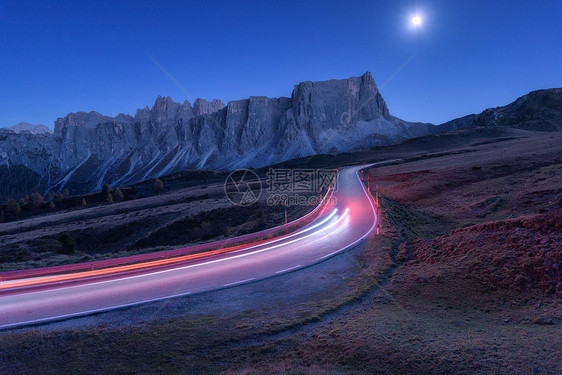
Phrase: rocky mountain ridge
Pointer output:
(88, 149)
(27, 127)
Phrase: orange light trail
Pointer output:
(138, 266)
(130, 267)
(154, 263)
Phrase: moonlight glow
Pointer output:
(416, 20)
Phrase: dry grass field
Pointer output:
(463, 279)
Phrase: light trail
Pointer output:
(120, 269)
(42, 299)
(90, 266)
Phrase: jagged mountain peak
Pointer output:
(90, 149)
(205, 107)
(164, 109)
(80, 119)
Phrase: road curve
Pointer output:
(352, 218)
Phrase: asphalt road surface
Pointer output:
(351, 219)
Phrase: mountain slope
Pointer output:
(87, 150)
(539, 110)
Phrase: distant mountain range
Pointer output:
(87, 150)
(27, 127)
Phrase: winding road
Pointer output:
(347, 222)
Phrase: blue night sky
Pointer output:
(469, 55)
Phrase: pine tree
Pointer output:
(158, 185)
(13, 209)
(36, 199)
(118, 194)
(50, 195)
(106, 193)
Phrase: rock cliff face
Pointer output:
(87, 150)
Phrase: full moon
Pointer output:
(416, 20)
